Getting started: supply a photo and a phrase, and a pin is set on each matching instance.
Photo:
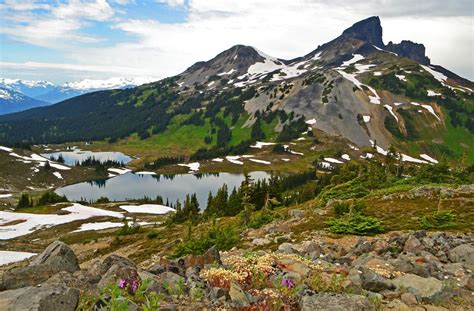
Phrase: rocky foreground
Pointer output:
(399, 271)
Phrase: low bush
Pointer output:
(355, 223)
(439, 220)
(223, 238)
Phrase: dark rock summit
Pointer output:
(368, 30)
(411, 50)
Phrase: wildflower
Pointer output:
(122, 283)
(288, 283)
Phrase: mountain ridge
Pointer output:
(354, 86)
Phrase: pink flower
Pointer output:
(122, 283)
(288, 283)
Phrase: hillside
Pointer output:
(354, 86)
(11, 101)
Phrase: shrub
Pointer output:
(102, 200)
(355, 223)
(439, 219)
(223, 238)
(152, 235)
(262, 217)
(127, 229)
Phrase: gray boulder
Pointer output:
(55, 258)
(335, 302)
(373, 282)
(58, 256)
(413, 245)
(40, 298)
(463, 253)
(425, 289)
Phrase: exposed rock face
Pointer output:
(426, 289)
(44, 298)
(335, 302)
(411, 50)
(463, 253)
(58, 256)
(368, 30)
(55, 258)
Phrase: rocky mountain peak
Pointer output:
(368, 30)
(411, 50)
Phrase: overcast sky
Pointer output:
(71, 40)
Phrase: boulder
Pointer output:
(209, 257)
(238, 296)
(55, 258)
(296, 213)
(409, 298)
(58, 256)
(260, 241)
(335, 302)
(425, 289)
(115, 273)
(413, 245)
(40, 298)
(286, 248)
(463, 253)
(371, 281)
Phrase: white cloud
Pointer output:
(173, 3)
(281, 28)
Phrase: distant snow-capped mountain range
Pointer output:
(17, 95)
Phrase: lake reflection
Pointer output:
(77, 155)
(172, 187)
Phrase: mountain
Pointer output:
(11, 101)
(52, 93)
(355, 87)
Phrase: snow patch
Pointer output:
(260, 161)
(390, 109)
(119, 171)
(58, 175)
(7, 257)
(332, 160)
(260, 144)
(4, 196)
(147, 209)
(311, 122)
(366, 119)
(218, 160)
(192, 166)
(32, 222)
(428, 158)
(346, 157)
(433, 93)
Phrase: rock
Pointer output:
(371, 281)
(434, 308)
(425, 289)
(296, 213)
(463, 253)
(238, 296)
(40, 298)
(218, 293)
(290, 265)
(286, 248)
(397, 305)
(413, 245)
(362, 247)
(260, 242)
(171, 281)
(115, 273)
(169, 307)
(209, 257)
(118, 260)
(409, 298)
(454, 269)
(55, 258)
(307, 247)
(58, 256)
(335, 302)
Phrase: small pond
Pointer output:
(78, 155)
(171, 187)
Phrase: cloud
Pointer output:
(173, 3)
(281, 28)
(59, 26)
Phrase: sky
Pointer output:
(71, 40)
